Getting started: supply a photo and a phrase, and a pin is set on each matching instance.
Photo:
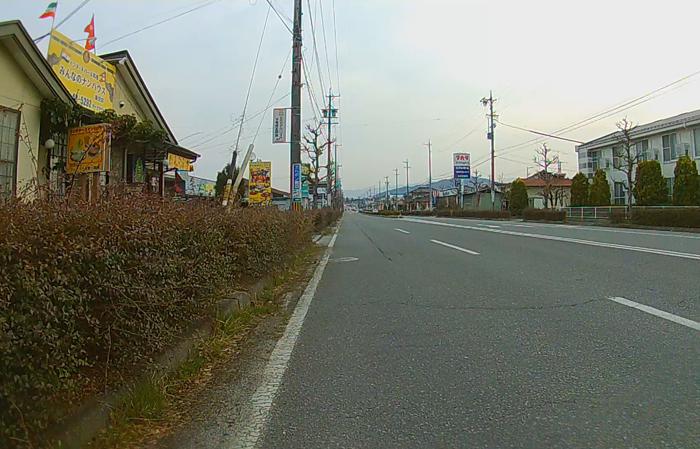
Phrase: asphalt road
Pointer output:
(448, 333)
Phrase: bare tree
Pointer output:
(545, 160)
(314, 149)
(627, 155)
(475, 184)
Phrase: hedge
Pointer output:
(89, 293)
(544, 215)
(474, 213)
(681, 218)
(420, 213)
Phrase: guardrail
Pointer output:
(605, 213)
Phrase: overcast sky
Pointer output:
(410, 70)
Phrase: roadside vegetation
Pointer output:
(89, 294)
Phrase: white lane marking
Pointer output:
(671, 234)
(640, 249)
(255, 417)
(345, 259)
(401, 231)
(468, 251)
(489, 226)
(521, 226)
(660, 313)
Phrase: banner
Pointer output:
(179, 162)
(279, 125)
(260, 187)
(90, 79)
(305, 176)
(296, 182)
(462, 166)
(88, 149)
(200, 187)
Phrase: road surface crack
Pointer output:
(381, 251)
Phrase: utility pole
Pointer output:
(379, 195)
(388, 197)
(430, 173)
(330, 114)
(492, 125)
(396, 186)
(295, 145)
(407, 168)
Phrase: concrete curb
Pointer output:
(93, 416)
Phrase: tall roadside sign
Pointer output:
(461, 164)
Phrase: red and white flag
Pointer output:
(90, 30)
(50, 11)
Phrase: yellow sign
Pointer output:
(179, 162)
(90, 79)
(88, 149)
(260, 187)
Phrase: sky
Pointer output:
(408, 72)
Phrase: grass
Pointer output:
(152, 403)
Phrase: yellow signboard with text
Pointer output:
(90, 79)
(88, 149)
(179, 162)
(260, 190)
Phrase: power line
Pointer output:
(538, 132)
(279, 16)
(274, 89)
(325, 44)
(313, 35)
(335, 39)
(71, 14)
(160, 22)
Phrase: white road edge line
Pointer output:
(468, 251)
(640, 249)
(660, 313)
(489, 226)
(256, 415)
(401, 231)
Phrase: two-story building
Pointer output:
(663, 140)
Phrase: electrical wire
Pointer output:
(71, 14)
(274, 90)
(313, 35)
(325, 44)
(279, 16)
(335, 39)
(252, 79)
(538, 132)
(160, 22)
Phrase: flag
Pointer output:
(50, 11)
(90, 30)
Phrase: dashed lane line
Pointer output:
(640, 249)
(401, 231)
(659, 313)
(458, 248)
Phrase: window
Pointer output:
(696, 135)
(594, 158)
(642, 149)
(670, 147)
(619, 190)
(669, 187)
(618, 158)
(9, 138)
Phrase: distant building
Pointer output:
(663, 140)
(560, 187)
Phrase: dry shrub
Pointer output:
(89, 292)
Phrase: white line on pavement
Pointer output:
(520, 226)
(660, 313)
(468, 251)
(401, 231)
(592, 228)
(489, 226)
(640, 249)
(256, 415)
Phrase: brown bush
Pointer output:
(474, 213)
(544, 215)
(87, 291)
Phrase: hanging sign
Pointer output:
(279, 125)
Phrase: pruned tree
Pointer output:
(650, 188)
(475, 183)
(686, 184)
(545, 160)
(518, 197)
(579, 190)
(600, 189)
(628, 157)
(314, 149)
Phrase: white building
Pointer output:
(663, 140)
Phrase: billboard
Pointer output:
(462, 165)
(88, 149)
(179, 162)
(200, 187)
(305, 177)
(90, 79)
(260, 187)
(279, 125)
